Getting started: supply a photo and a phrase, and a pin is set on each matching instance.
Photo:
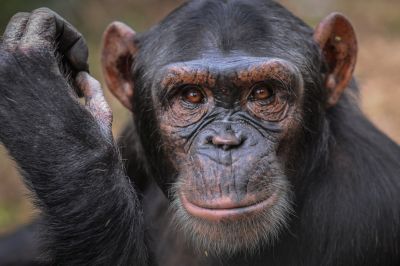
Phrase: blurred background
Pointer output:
(377, 23)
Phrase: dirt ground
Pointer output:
(378, 72)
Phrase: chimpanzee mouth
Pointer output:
(227, 210)
(225, 225)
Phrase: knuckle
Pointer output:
(94, 83)
(19, 16)
(78, 35)
(43, 10)
(43, 13)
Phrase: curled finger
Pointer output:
(46, 28)
(14, 30)
(95, 101)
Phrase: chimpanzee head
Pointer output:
(226, 98)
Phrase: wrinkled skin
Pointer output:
(247, 145)
(226, 147)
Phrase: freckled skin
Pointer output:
(226, 146)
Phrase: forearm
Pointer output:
(90, 209)
(91, 212)
(101, 215)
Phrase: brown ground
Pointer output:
(378, 26)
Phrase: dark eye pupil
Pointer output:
(194, 95)
(261, 94)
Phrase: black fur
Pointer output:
(345, 173)
(90, 211)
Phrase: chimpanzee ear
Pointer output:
(119, 48)
(337, 39)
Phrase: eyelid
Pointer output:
(256, 85)
(186, 88)
(172, 91)
(276, 85)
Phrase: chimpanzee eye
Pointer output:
(193, 95)
(261, 92)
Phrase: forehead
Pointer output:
(238, 70)
(221, 36)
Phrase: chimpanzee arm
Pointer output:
(65, 150)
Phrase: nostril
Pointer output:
(208, 139)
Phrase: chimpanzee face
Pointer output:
(225, 93)
(223, 121)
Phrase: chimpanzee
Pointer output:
(247, 145)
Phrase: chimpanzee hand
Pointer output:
(65, 150)
(38, 107)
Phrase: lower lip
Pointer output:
(217, 215)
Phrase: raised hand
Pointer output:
(64, 149)
(35, 50)
(42, 30)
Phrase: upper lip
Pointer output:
(219, 158)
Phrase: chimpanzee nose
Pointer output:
(227, 140)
